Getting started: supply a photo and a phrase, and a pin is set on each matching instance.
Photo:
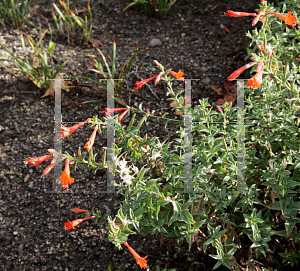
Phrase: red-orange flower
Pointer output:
(66, 131)
(71, 224)
(139, 260)
(258, 16)
(256, 80)
(67, 167)
(178, 74)
(53, 162)
(158, 77)
(38, 160)
(237, 73)
(91, 141)
(65, 178)
(139, 84)
(48, 169)
(77, 210)
(220, 109)
(238, 14)
(110, 110)
(289, 19)
(123, 114)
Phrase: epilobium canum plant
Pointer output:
(215, 213)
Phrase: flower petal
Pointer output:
(91, 141)
(140, 261)
(238, 14)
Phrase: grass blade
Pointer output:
(24, 48)
(131, 4)
(98, 64)
(32, 24)
(104, 59)
(62, 16)
(59, 69)
(131, 59)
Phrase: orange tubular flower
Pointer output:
(38, 160)
(71, 224)
(178, 75)
(123, 114)
(67, 167)
(256, 80)
(139, 260)
(90, 143)
(110, 111)
(66, 131)
(65, 176)
(77, 210)
(66, 180)
(238, 14)
(158, 78)
(258, 16)
(139, 84)
(237, 73)
(288, 19)
(48, 169)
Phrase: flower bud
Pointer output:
(254, 57)
(158, 64)
(79, 153)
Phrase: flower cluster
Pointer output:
(65, 178)
(178, 75)
(256, 80)
(289, 19)
(124, 171)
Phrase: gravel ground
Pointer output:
(31, 217)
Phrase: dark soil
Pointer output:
(31, 217)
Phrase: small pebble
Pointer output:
(205, 81)
(155, 42)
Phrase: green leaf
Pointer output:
(186, 205)
(142, 173)
(197, 225)
(51, 47)
(171, 234)
(172, 219)
(131, 4)
(141, 122)
(131, 122)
